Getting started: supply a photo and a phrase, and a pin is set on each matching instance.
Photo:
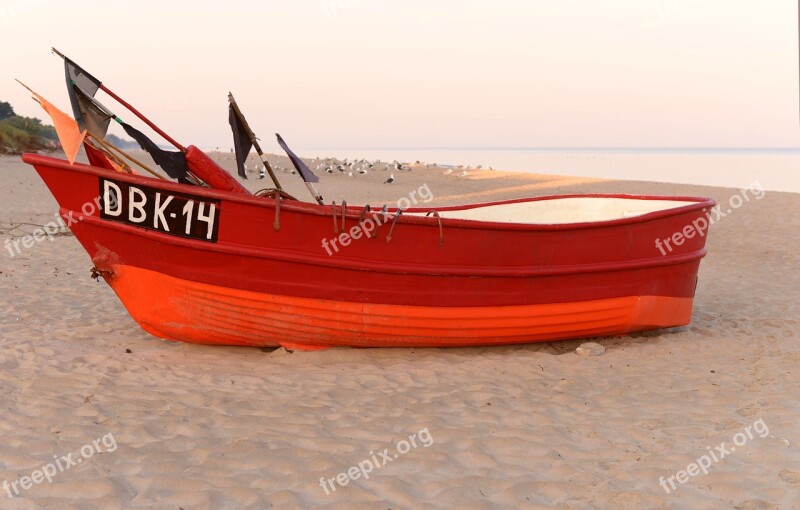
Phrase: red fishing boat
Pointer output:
(202, 260)
(222, 267)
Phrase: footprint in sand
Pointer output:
(747, 411)
(756, 504)
(792, 477)
(728, 424)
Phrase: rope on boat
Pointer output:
(278, 195)
(344, 210)
(364, 212)
(335, 220)
(97, 273)
(367, 209)
(277, 223)
(439, 220)
(394, 222)
(382, 221)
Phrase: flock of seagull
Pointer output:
(361, 167)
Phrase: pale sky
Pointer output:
(434, 73)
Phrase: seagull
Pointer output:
(448, 171)
(462, 174)
(262, 174)
(390, 179)
(329, 170)
(362, 171)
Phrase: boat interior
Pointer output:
(564, 210)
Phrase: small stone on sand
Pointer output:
(590, 349)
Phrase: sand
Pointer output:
(535, 426)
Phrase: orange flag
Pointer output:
(70, 136)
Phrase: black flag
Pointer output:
(82, 80)
(174, 163)
(301, 167)
(94, 117)
(241, 140)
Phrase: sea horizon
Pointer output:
(775, 168)
(577, 148)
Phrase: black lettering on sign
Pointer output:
(178, 214)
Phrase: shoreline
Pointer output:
(774, 170)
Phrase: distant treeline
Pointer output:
(24, 134)
(27, 134)
(121, 142)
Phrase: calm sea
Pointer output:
(775, 169)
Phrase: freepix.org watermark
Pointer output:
(10, 9)
(53, 228)
(376, 461)
(700, 225)
(715, 455)
(368, 225)
(59, 465)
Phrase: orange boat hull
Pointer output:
(203, 313)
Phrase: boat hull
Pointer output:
(265, 277)
(203, 313)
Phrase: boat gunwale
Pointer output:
(354, 212)
(367, 265)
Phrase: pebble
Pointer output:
(590, 349)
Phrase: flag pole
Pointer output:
(108, 146)
(302, 169)
(314, 192)
(113, 148)
(27, 87)
(131, 109)
(253, 140)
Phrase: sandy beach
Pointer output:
(111, 417)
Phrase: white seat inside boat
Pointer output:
(565, 210)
